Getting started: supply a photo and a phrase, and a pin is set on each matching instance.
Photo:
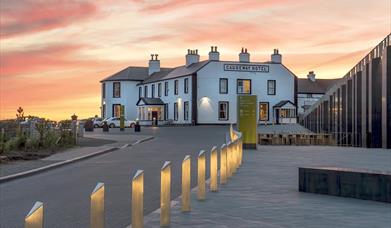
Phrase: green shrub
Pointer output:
(50, 140)
(12, 144)
(32, 144)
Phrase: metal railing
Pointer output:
(231, 157)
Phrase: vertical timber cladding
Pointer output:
(326, 116)
(358, 108)
(339, 115)
(331, 128)
(343, 128)
(349, 113)
(388, 82)
(376, 103)
(247, 120)
(368, 89)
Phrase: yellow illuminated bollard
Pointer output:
(228, 159)
(186, 184)
(201, 176)
(34, 219)
(165, 189)
(97, 211)
(213, 169)
(223, 164)
(138, 200)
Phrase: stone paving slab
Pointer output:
(264, 193)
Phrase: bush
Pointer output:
(50, 140)
(12, 144)
(32, 144)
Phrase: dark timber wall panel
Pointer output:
(358, 103)
(349, 112)
(376, 103)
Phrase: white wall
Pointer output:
(129, 98)
(209, 96)
(172, 98)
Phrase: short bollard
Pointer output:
(138, 200)
(165, 189)
(201, 176)
(223, 164)
(34, 219)
(213, 169)
(186, 184)
(97, 211)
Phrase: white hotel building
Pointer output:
(201, 92)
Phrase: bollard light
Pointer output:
(34, 219)
(97, 211)
(223, 164)
(165, 189)
(201, 176)
(138, 200)
(213, 169)
(186, 184)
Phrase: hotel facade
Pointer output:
(201, 92)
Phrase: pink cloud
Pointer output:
(25, 17)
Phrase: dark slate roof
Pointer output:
(176, 72)
(282, 103)
(132, 73)
(319, 86)
(150, 101)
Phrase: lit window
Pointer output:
(186, 86)
(223, 110)
(223, 85)
(263, 111)
(244, 86)
(186, 110)
(116, 110)
(116, 89)
(271, 87)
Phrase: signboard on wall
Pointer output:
(247, 68)
(247, 120)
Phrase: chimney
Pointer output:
(276, 57)
(214, 54)
(192, 57)
(154, 64)
(311, 76)
(244, 56)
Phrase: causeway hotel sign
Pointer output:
(246, 68)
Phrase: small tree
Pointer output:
(42, 127)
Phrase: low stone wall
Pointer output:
(354, 183)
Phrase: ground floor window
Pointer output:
(175, 111)
(186, 110)
(116, 110)
(287, 113)
(151, 112)
(223, 110)
(263, 111)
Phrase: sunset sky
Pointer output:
(53, 53)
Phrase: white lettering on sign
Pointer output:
(246, 68)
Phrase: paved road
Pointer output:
(264, 193)
(65, 190)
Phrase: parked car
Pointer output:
(115, 122)
(98, 121)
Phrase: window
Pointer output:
(145, 91)
(263, 111)
(175, 111)
(309, 95)
(116, 110)
(271, 87)
(186, 110)
(223, 85)
(287, 113)
(116, 89)
(153, 90)
(166, 89)
(166, 111)
(159, 89)
(244, 86)
(176, 87)
(223, 110)
(186, 86)
(103, 90)
(140, 92)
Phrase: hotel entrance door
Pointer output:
(154, 118)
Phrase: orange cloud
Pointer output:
(24, 17)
